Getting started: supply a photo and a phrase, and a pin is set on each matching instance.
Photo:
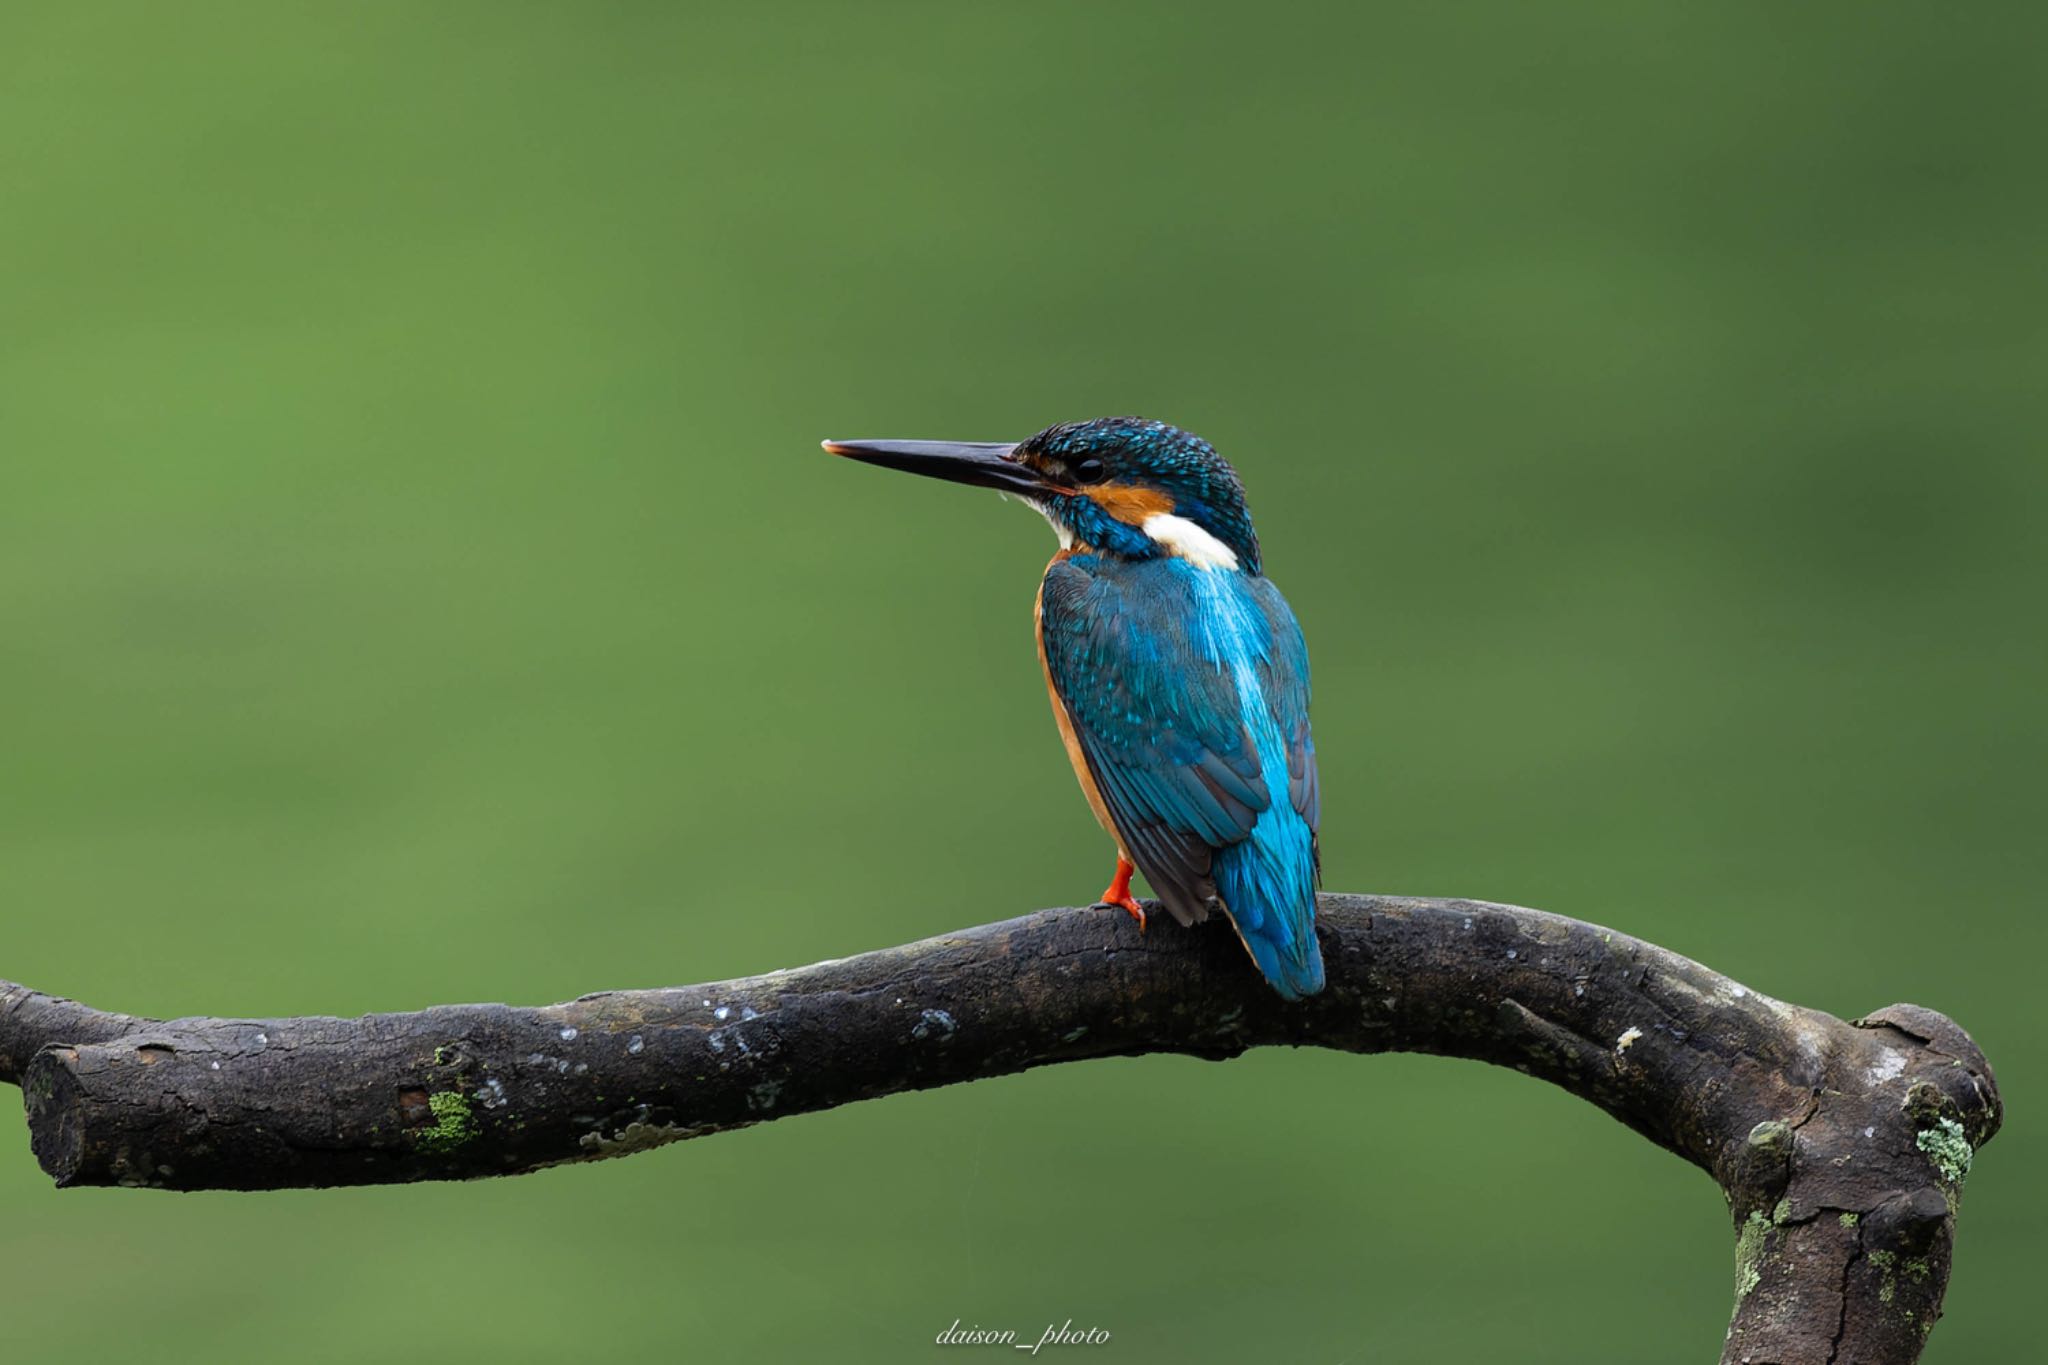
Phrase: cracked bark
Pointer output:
(1841, 1147)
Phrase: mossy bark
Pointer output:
(1840, 1147)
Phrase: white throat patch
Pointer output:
(1182, 537)
(1058, 528)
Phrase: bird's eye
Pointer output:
(1088, 471)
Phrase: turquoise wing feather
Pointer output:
(1188, 691)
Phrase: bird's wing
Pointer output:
(1287, 692)
(1159, 720)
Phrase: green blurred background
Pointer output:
(419, 582)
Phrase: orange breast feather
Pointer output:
(1067, 735)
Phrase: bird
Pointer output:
(1177, 672)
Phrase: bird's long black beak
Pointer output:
(983, 464)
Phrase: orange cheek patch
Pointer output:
(1131, 504)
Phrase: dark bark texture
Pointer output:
(1841, 1147)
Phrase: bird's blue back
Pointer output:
(1188, 691)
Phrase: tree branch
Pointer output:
(1841, 1148)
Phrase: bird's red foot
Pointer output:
(1119, 897)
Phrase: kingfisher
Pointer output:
(1177, 672)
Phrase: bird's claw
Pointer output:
(1117, 896)
(1129, 904)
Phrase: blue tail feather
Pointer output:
(1267, 883)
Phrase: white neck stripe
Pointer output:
(1184, 538)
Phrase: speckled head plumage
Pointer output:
(1126, 486)
(1125, 470)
